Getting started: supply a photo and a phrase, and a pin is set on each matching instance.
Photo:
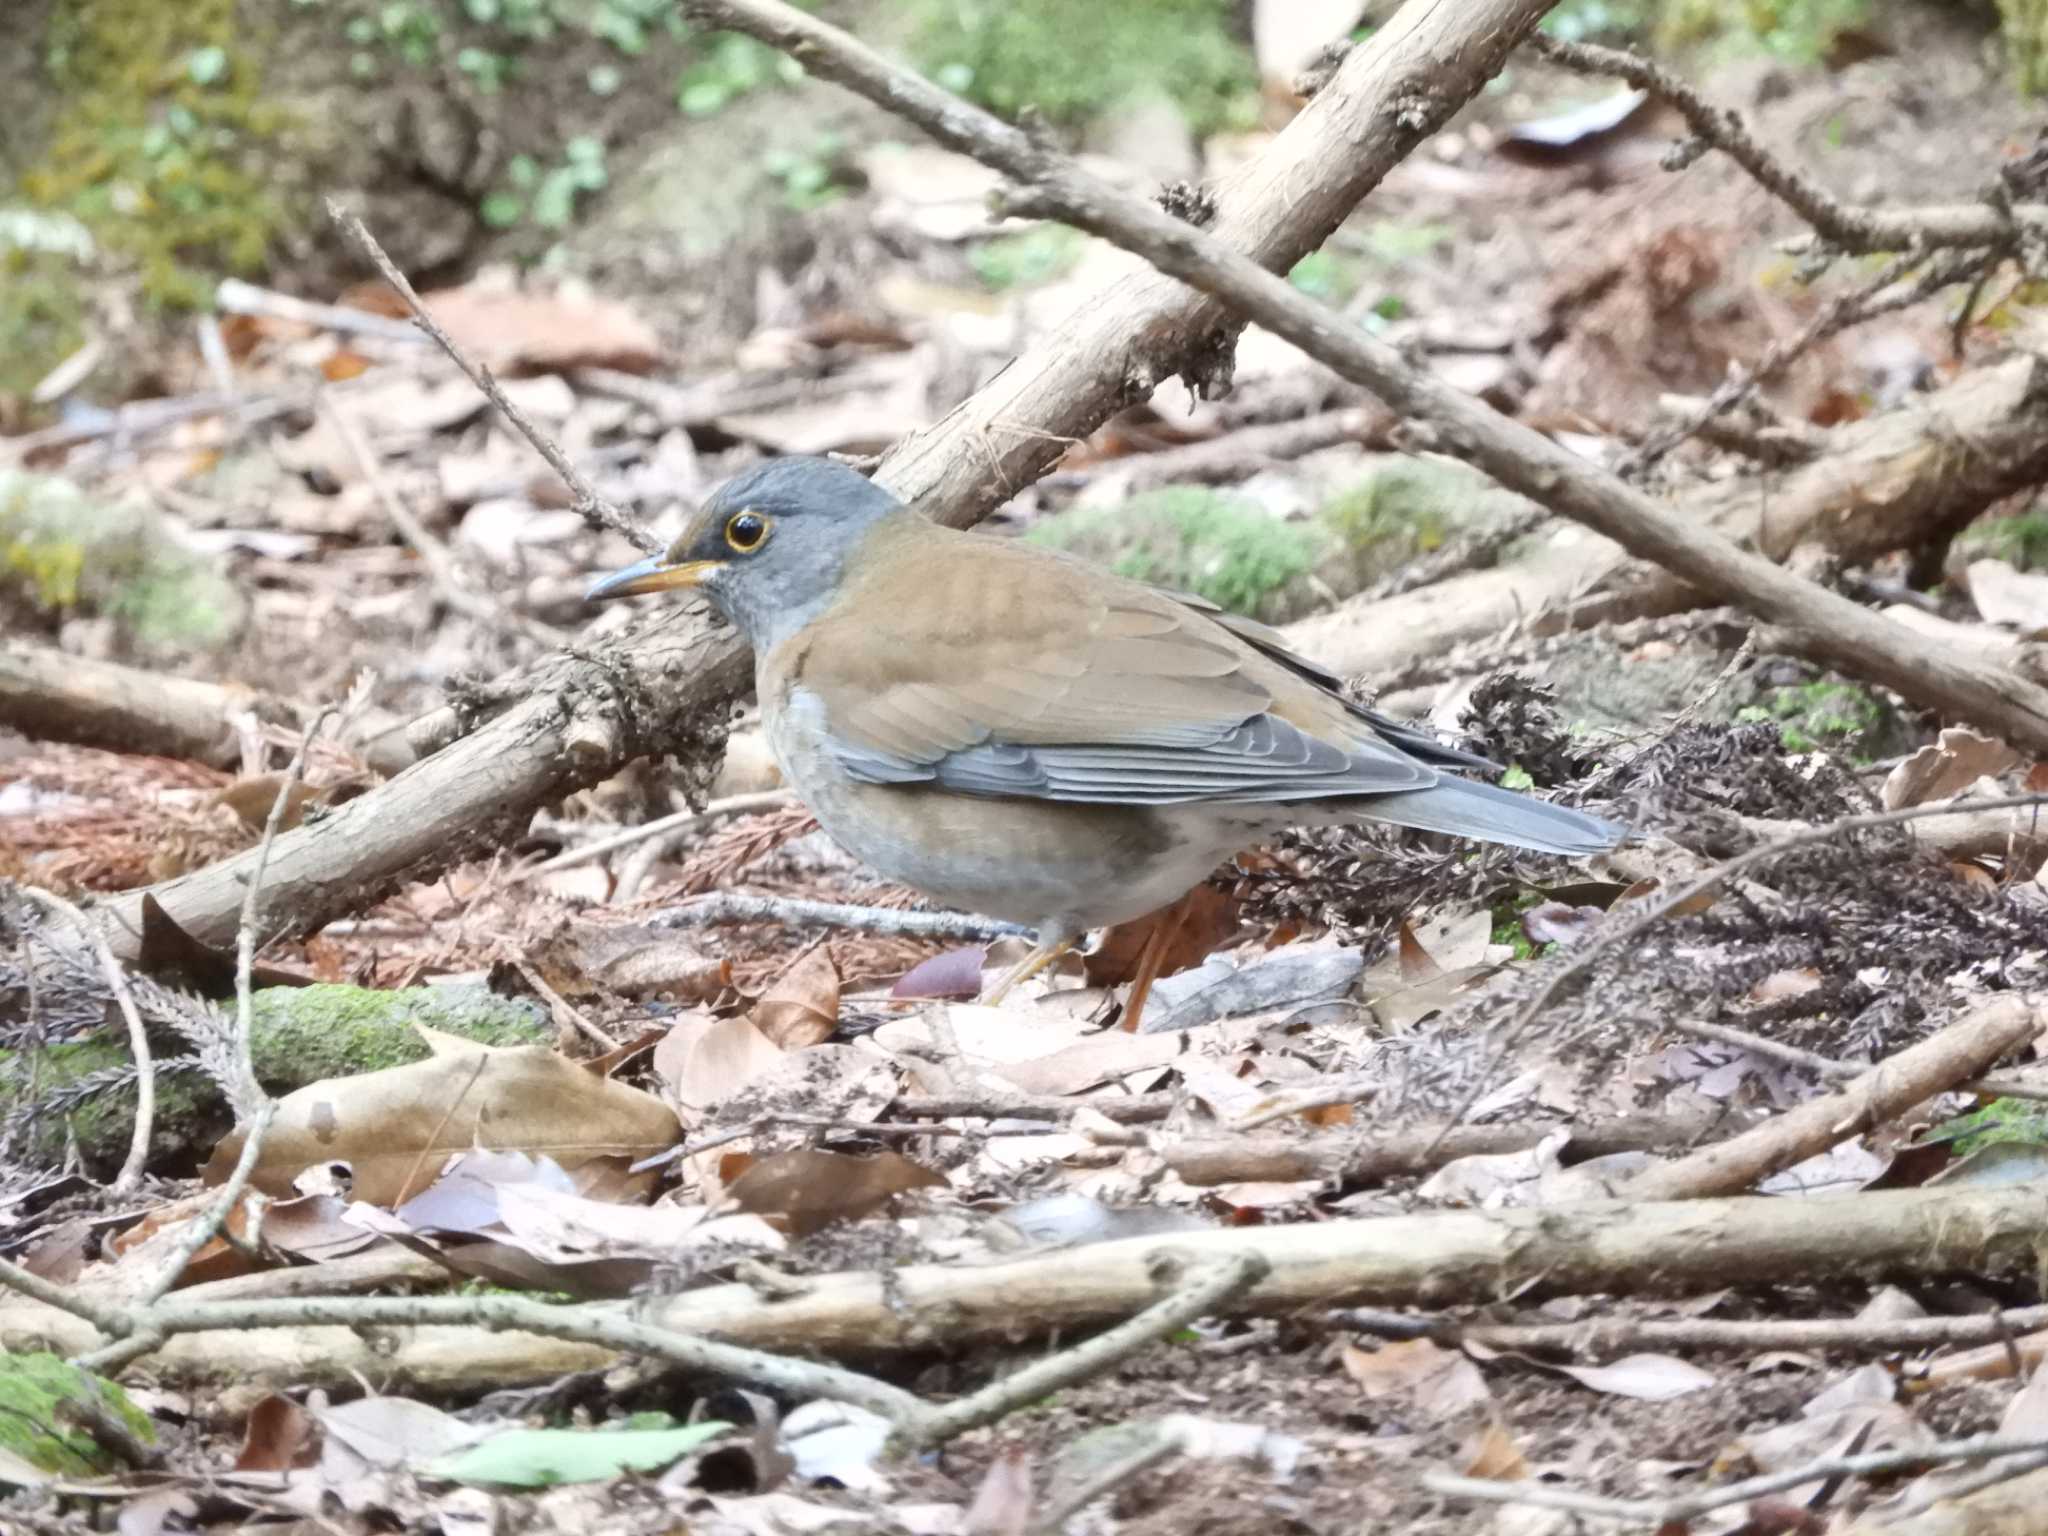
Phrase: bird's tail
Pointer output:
(1466, 808)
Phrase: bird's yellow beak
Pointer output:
(654, 574)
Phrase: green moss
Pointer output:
(2014, 1120)
(2021, 540)
(1035, 255)
(158, 144)
(1194, 540)
(300, 1035)
(61, 551)
(1835, 716)
(2025, 24)
(33, 1388)
(42, 316)
(1406, 507)
(1799, 31)
(303, 1034)
(1069, 59)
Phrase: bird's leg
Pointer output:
(1152, 959)
(1039, 958)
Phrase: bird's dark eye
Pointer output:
(744, 531)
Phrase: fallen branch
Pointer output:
(736, 907)
(1956, 1054)
(48, 694)
(1442, 1259)
(1608, 1337)
(1353, 1161)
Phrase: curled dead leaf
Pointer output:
(809, 1189)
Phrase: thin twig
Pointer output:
(681, 821)
(203, 1228)
(1839, 1071)
(1676, 1512)
(733, 907)
(1858, 230)
(1209, 1287)
(434, 555)
(590, 506)
(1607, 1338)
(138, 1038)
(245, 1091)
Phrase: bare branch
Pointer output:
(590, 506)
(1857, 230)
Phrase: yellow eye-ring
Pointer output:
(745, 531)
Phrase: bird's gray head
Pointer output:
(768, 547)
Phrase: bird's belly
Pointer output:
(1046, 864)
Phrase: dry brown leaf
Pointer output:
(802, 1007)
(278, 1437)
(1494, 1454)
(809, 1189)
(1003, 1503)
(398, 1128)
(1780, 985)
(705, 1061)
(1439, 1381)
(1946, 767)
(1197, 925)
(1416, 964)
(516, 333)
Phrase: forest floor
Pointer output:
(356, 530)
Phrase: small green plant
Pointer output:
(1068, 59)
(2021, 541)
(730, 65)
(1819, 715)
(1035, 255)
(809, 178)
(1326, 275)
(2014, 1120)
(158, 140)
(546, 198)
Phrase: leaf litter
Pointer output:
(1381, 961)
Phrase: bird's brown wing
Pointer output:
(1000, 670)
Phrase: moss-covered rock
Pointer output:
(82, 1092)
(33, 1390)
(63, 552)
